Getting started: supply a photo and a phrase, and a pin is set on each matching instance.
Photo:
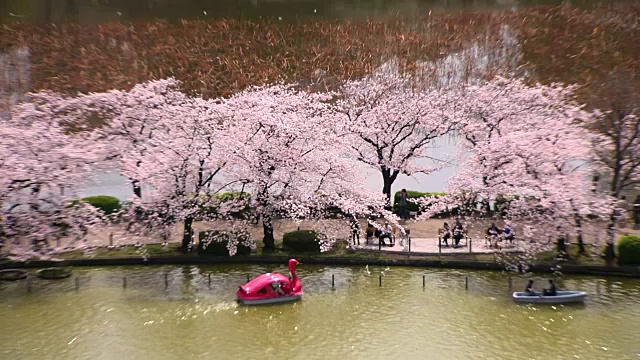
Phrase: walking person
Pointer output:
(403, 210)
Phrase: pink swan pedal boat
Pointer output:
(271, 288)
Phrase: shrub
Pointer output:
(334, 212)
(413, 195)
(227, 196)
(216, 242)
(629, 250)
(501, 203)
(230, 196)
(302, 240)
(108, 204)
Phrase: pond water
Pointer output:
(357, 320)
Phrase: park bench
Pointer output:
(451, 241)
(496, 240)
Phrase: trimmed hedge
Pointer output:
(413, 195)
(108, 204)
(629, 250)
(301, 240)
(219, 248)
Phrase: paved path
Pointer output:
(430, 246)
(423, 234)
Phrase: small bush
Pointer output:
(302, 240)
(413, 195)
(242, 213)
(629, 250)
(227, 196)
(108, 204)
(215, 242)
(334, 212)
(501, 203)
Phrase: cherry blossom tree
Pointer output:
(617, 146)
(525, 143)
(41, 166)
(393, 123)
(169, 141)
(285, 145)
(282, 144)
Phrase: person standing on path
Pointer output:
(402, 205)
(355, 231)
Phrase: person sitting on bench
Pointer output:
(389, 233)
(458, 233)
(492, 234)
(384, 233)
(370, 231)
(508, 233)
(446, 233)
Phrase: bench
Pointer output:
(492, 241)
(465, 237)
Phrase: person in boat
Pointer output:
(446, 233)
(275, 286)
(458, 233)
(492, 234)
(529, 289)
(508, 233)
(551, 291)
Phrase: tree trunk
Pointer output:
(268, 240)
(562, 247)
(581, 248)
(578, 219)
(388, 177)
(386, 189)
(610, 252)
(187, 235)
(137, 189)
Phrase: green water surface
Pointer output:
(186, 318)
